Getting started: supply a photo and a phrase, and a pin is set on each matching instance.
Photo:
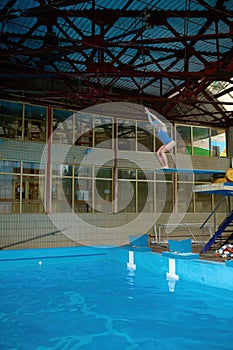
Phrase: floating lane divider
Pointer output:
(130, 264)
(172, 277)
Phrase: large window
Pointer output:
(88, 189)
(29, 122)
(200, 141)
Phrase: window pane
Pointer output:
(127, 196)
(218, 142)
(9, 166)
(34, 128)
(145, 175)
(126, 135)
(61, 195)
(83, 130)
(31, 195)
(145, 137)
(146, 196)
(103, 132)
(82, 171)
(6, 193)
(66, 170)
(62, 126)
(164, 197)
(11, 119)
(33, 168)
(103, 172)
(201, 141)
(82, 195)
(183, 139)
(185, 197)
(126, 174)
(103, 196)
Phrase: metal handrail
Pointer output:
(202, 227)
(212, 213)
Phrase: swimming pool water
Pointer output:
(94, 303)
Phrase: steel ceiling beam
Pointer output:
(98, 61)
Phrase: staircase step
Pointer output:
(223, 234)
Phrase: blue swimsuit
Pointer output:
(164, 137)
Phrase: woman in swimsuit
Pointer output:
(167, 141)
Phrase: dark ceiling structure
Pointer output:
(160, 53)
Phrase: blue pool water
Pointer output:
(94, 303)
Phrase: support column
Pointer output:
(230, 142)
(48, 170)
(115, 179)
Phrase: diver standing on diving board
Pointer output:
(168, 142)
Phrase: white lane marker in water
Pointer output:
(172, 277)
(130, 264)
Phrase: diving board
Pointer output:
(222, 188)
(192, 171)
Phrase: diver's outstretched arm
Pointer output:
(155, 119)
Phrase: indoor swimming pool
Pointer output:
(93, 301)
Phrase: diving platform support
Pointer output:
(224, 233)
